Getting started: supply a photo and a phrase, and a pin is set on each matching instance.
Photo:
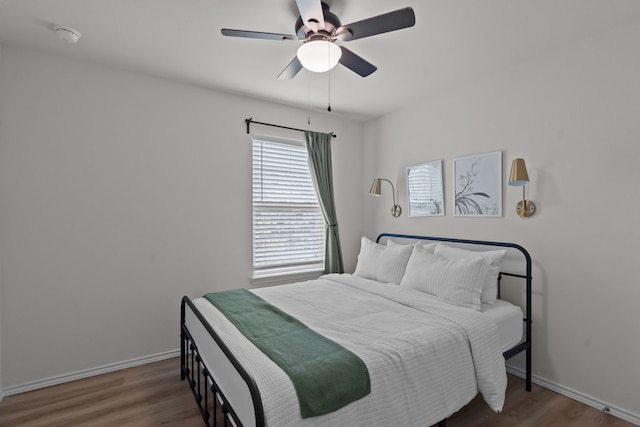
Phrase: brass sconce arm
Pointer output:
(376, 190)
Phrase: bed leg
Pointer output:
(183, 344)
(528, 373)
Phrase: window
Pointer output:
(288, 225)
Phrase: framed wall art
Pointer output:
(425, 193)
(478, 185)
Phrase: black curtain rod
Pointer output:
(250, 120)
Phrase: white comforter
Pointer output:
(426, 358)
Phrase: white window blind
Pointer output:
(288, 225)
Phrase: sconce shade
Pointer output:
(519, 175)
(376, 189)
(520, 178)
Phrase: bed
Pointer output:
(428, 352)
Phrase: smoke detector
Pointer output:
(67, 34)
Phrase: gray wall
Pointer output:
(1, 380)
(573, 115)
(121, 193)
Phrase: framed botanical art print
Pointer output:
(478, 185)
(425, 189)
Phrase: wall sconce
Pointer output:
(376, 191)
(520, 178)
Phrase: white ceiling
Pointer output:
(453, 43)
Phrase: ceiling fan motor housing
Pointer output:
(331, 25)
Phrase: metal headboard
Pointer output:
(526, 344)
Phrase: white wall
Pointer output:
(1, 383)
(574, 116)
(119, 194)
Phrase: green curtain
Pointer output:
(319, 149)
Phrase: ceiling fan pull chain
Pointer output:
(329, 73)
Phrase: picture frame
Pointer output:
(478, 185)
(425, 189)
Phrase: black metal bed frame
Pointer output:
(212, 401)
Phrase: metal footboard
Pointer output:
(206, 389)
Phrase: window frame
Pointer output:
(292, 271)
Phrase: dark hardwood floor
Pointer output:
(153, 395)
(539, 408)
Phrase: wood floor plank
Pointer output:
(539, 408)
(153, 395)
(147, 395)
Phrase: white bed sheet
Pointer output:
(448, 355)
(509, 320)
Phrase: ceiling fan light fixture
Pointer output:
(319, 55)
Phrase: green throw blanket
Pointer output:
(325, 375)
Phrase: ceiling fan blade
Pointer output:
(291, 70)
(396, 20)
(257, 35)
(356, 63)
(312, 14)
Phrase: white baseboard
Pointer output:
(579, 396)
(59, 379)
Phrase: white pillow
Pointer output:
(382, 263)
(429, 246)
(490, 288)
(457, 281)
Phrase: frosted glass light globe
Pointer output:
(319, 55)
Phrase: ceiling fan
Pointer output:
(318, 29)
